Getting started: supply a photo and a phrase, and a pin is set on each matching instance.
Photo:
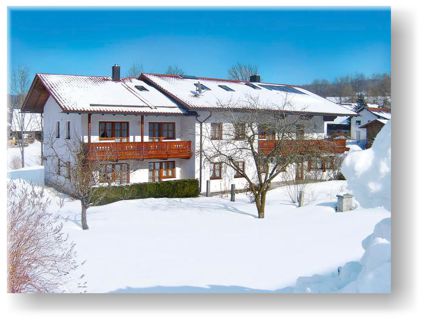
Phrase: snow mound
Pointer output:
(368, 172)
(368, 176)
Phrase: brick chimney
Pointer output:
(116, 73)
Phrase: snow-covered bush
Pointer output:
(40, 258)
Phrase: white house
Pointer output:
(365, 116)
(149, 128)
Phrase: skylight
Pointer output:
(287, 89)
(141, 88)
(252, 85)
(198, 85)
(226, 88)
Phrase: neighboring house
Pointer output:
(365, 116)
(151, 124)
(372, 129)
(26, 124)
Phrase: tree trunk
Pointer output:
(260, 202)
(84, 216)
(22, 156)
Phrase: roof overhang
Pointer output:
(36, 98)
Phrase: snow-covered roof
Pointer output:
(378, 120)
(28, 122)
(342, 120)
(381, 112)
(218, 93)
(102, 94)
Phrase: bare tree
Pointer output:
(40, 257)
(268, 141)
(242, 71)
(135, 70)
(79, 171)
(174, 70)
(19, 86)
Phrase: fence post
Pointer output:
(207, 192)
(232, 192)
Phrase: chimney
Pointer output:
(254, 78)
(116, 73)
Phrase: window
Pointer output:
(252, 85)
(113, 131)
(241, 166)
(216, 170)
(299, 132)
(161, 170)
(226, 88)
(200, 86)
(68, 130)
(141, 88)
(161, 131)
(58, 129)
(265, 132)
(323, 164)
(115, 173)
(283, 88)
(239, 131)
(358, 122)
(216, 131)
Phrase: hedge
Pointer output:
(169, 189)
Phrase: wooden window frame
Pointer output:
(240, 131)
(213, 170)
(237, 175)
(217, 134)
(114, 173)
(113, 137)
(266, 133)
(58, 129)
(161, 169)
(161, 126)
(68, 130)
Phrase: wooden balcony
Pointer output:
(114, 151)
(305, 146)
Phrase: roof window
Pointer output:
(226, 88)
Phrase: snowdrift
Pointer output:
(368, 172)
(368, 176)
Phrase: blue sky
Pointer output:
(288, 45)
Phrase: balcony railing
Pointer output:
(139, 150)
(305, 146)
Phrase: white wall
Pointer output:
(314, 128)
(364, 117)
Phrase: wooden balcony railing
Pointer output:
(305, 146)
(139, 150)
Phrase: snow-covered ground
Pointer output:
(186, 245)
(32, 156)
